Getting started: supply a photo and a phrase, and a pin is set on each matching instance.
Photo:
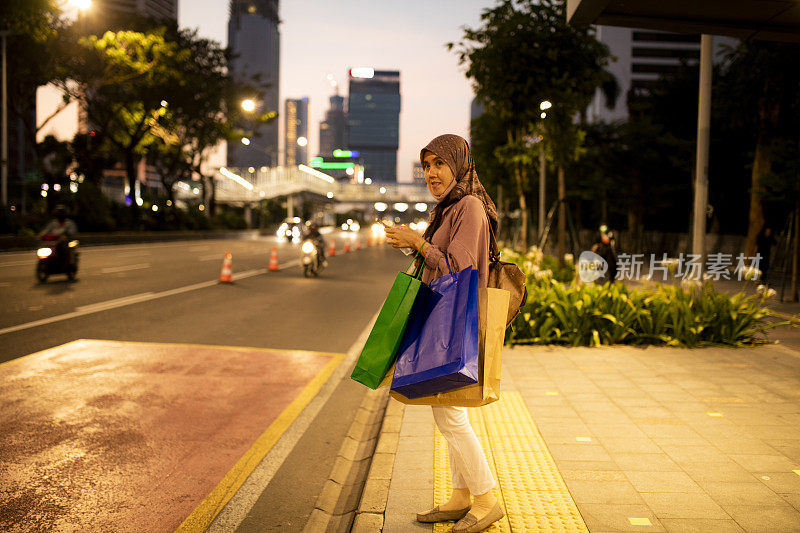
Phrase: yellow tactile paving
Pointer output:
(530, 486)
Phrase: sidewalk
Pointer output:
(621, 439)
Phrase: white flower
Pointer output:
(760, 289)
(672, 263)
(690, 283)
(771, 293)
(751, 273)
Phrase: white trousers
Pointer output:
(467, 460)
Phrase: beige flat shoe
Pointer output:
(435, 515)
(470, 524)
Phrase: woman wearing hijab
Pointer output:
(459, 228)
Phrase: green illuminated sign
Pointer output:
(320, 164)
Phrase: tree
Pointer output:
(523, 53)
(764, 83)
(125, 78)
(195, 122)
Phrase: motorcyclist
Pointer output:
(312, 233)
(61, 229)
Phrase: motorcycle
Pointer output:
(52, 260)
(312, 265)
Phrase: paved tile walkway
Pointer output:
(688, 440)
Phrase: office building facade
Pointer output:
(373, 118)
(254, 39)
(333, 130)
(417, 173)
(642, 57)
(295, 129)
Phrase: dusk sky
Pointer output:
(321, 37)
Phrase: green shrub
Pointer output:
(562, 310)
(591, 315)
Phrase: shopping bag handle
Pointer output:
(446, 260)
(418, 269)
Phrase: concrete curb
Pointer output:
(371, 510)
(336, 505)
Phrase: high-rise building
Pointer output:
(374, 120)
(417, 173)
(333, 130)
(642, 56)
(296, 132)
(157, 9)
(254, 40)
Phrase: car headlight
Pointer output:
(44, 252)
(308, 247)
(355, 226)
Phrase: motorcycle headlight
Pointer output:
(44, 252)
(308, 247)
(73, 244)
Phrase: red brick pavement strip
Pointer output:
(103, 435)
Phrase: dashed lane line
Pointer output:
(125, 268)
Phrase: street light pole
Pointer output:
(4, 133)
(703, 137)
(542, 186)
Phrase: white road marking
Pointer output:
(137, 298)
(111, 304)
(113, 270)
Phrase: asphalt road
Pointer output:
(169, 293)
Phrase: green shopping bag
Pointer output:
(383, 342)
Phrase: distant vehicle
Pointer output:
(313, 263)
(291, 229)
(351, 225)
(55, 258)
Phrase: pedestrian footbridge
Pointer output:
(250, 185)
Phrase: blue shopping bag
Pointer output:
(439, 350)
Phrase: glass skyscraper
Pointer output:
(296, 132)
(374, 120)
(254, 39)
(333, 130)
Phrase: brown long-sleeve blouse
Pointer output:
(464, 237)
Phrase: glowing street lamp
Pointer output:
(248, 105)
(545, 105)
(245, 141)
(302, 141)
(82, 5)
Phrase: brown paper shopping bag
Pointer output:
(493, 310)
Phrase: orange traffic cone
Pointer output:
(346, 246)
(369, 243)
(273, 259)
(358, 244)
(226, 276)
(332, 249)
